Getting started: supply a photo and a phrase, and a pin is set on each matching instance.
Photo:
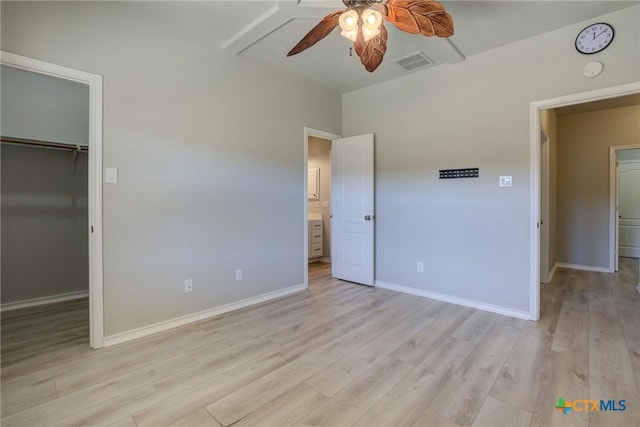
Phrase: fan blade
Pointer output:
(372, 52)
(425, 17)
(320, 31)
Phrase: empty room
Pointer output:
(320, 213)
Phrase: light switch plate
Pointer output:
(111, 175)
(506, 181)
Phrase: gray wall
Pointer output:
(319, 156)
(583, 181)
(472, 235)
(210, 152)
(44, 214)
(36, 106)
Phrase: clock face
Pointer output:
(594, 38)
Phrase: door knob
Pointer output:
(367, 217)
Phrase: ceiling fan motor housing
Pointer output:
(360, 3)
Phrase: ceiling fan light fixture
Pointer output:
(371, 21)
(349, 24)
(362, 24)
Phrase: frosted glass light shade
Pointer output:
(349, 24)
(371, 21)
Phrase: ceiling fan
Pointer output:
(362, 24)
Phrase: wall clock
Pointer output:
(594, 38)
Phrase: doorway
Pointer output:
(535, 191)
(624, 206)
(93, 231)
(317, 201)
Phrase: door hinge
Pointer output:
(92, 228)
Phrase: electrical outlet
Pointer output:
(238, 275)
(420, 267)
(188, 285)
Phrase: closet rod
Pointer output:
(37, 143)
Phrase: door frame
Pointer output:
(94, 82)
(318, 134)
(534, 167)
(613, 192)
(545, 157)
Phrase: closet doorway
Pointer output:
(51, 201)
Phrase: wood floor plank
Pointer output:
(200, 418)
(339, 374)
(564, 376)
(495, 413)
(630, 321)
(113, 365)
(461, 398)
(348, 405)
(286, 409)
(18, 398)
(476, 326)
(404, 404)
(422, 344)
(70, 405)
(610, 367)
(611, 375)
(577, 287)
(190, 400)
(429, 419)
(519, 380)
(245, 400)
(123, 422)
(386, 359)
(572, 332)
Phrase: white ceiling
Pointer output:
(267, 30)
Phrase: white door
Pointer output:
(352, 224)
(629, 209)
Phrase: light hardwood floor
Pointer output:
(338, 354)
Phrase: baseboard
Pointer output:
(583, 267)
(552, 272)
(455, 300)
(195, 317)
(69, 296)
(325, 259)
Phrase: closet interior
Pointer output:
(44, 217)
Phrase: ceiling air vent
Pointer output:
(414, 61)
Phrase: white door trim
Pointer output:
(319, 134)
(613, 223)
(534, 166)
(544, 228)
(94, 81)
